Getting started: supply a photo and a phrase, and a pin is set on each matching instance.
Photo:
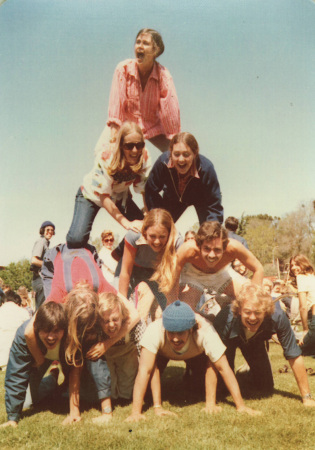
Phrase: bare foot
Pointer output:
(104, 418)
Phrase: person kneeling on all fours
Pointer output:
(26, 384)
(250, 321)
(181, 335)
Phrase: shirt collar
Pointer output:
(135, 73)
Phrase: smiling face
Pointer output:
(51, 338)
(145, 51)
(108, 242)
(177, 340)
(295, 268)
(252, 315)
(182, 157)
(49, 232)
(112, 321)
(133, 146)
(157, 237)
(212, 251)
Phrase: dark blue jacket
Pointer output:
(203, 193)
(231, 331)
(18, 373)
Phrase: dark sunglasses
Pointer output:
(108, 240)
(131, 145)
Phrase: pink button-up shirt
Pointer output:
(155, 109)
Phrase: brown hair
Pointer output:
(156, 38)
(231, 223)
(209, 231)
(187, 139)
(304, 263)
(107, 233)
(49, 316)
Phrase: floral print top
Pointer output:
(98, 181)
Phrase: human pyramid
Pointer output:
(123, 329)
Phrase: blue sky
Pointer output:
(244, 74)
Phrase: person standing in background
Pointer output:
(46, 231)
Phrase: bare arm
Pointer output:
(211, 382)
(126, 269)
(185, 254)
(156, 395)
(250, 262)
(74, 396)
(36, 261)
(32, 343)
(298, 368)
(146, 366)
(112, 209)
(231, 383)
(303, 310)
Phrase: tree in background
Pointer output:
(18, 274)
(296, 233)
(260, 233)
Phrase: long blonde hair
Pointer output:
(165, 270)
(82, 314)
(118, 163)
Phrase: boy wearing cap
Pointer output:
(46, 231)
(179, 337)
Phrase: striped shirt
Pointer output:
(155, 109)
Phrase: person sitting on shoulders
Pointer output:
(143, 91)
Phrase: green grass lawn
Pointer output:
(285, 423)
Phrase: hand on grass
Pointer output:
(71, 419)
(250, 411)
(164, 412)
(135, 418)
(96, 351)
(10, 423)
(104, 418)
(309, 403)
(212, 409)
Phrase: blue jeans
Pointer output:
(38, 287)
(83, 217)
(84, 214)
(100, 374)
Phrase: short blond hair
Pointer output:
(108, 301)
(255, 293)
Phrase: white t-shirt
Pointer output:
(306, 283)
(204, 339)
(109, 266)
